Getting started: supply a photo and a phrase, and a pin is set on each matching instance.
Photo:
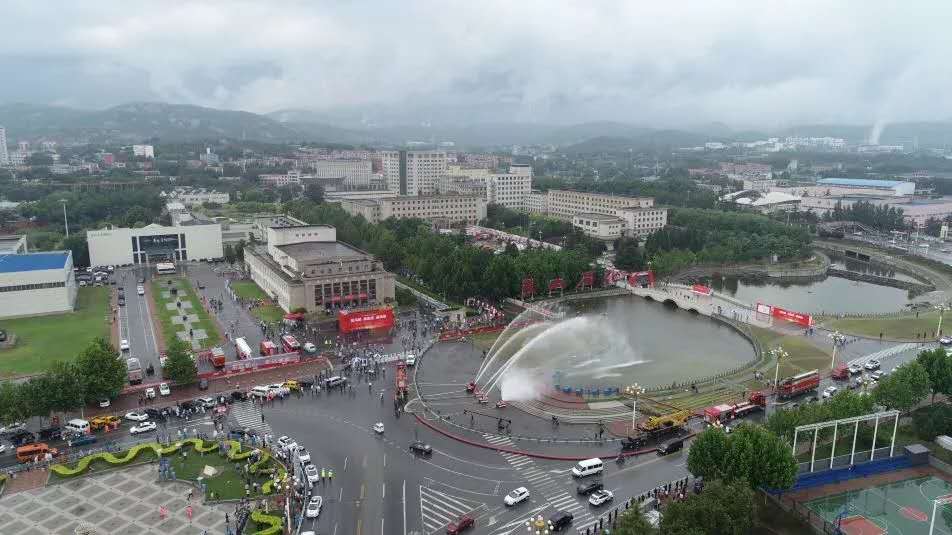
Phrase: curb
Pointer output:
(530, 454)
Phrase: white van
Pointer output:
(77, 425)
(411, 359)
(331, 382)
(587, 467)
(260, 391)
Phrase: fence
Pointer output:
(847, 472)
(804, 513)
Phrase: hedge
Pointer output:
(234, 454)
(274, 523)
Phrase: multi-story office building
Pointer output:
(566, 203)
(413, 172)
(510, 189)
(146, 151)
(599, 226)
(536, 202)
(4, 157)
(291, 177)
(439, 209)
(306, 267)
(355, 173)
(639, 222)
(33, 284)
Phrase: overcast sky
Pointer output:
(747, 64)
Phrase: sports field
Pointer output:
(900, 508)
(43, 340)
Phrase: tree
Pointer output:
(229, 252)
(314, 193)
(77, 244)
(905, 388)
(103, 372)
(628, 256)
(179, 366)
(758, 457)
(721, 509)
(66, 387)
(136, 216)
(633, 522)
(240, 250)
(938, 365)
(707, 454)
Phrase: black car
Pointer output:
(670, 447)
(3, 336)
(122, 301)
(141, 280)
(238, 395)
(203, 384)
(587, 488)
(421, 448)
(154, 414)
(201, 286)
(633, 443)
(50, 433)
(22, 437)
(560, 520)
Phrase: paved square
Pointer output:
(119, 502)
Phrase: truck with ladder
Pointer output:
(655, 428)
(799, 384)
(729, 411)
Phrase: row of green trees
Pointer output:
(547, 229)
(97, 373)
(880, 217)
(446, 264)
(714, 236)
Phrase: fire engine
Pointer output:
(798, 384)
(722, 413)
(400, 382)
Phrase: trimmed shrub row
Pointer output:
(82, 465)
(272, 522)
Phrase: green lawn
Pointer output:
(43, 340)
(165, 315)
(250, 290)
(804, 355)
(228, 484)
(904, 327)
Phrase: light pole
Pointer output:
(941, 308)
(634, 391)
(780, 354)
(836, 338)
(943, 500)
(65, 220)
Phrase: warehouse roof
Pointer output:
(862, 182)
(11, 263)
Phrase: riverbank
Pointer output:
(815, 266)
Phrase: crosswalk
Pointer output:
(439, 509)
(885, 353)
(247, 414)
(542, 483)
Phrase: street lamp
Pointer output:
(65, 220)
(836, 338)
(634, 391)
(941, 308)
(780, 354)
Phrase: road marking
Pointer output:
(363, 489)
(363, 463)
(384, 460)
(359, 525)
(383, 491)
(381, 526)
(345, 463)
(437, 509)
(335, 528)
(340, 496)
(404, 501)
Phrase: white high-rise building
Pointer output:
(146, 151)
(511, 189)
(353, 172)
(4, 157)
(413, 172)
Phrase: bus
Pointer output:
(165, 268)
(290, 344)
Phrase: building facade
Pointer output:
(154, 243)
(284, 179)
(599, 226)
(566, 203)
(145, 151)
(413, 172)
(354, 173)
(640, 222)
(197, 197)
(536, 202)
(306, 267)
(510, 189)
(33, 284)
(4, 155)
(439, 209)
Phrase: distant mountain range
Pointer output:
(175, 122)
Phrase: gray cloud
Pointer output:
(748, 64)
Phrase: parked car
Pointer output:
(143, 427)
(12, 429)
(561, 520)
(313, 476)
(140, 290)
(877, 375)
(378, 428)
(601, 497)
(203, 384)
(872, 364)
(462, 524)
(150, 393)
(303, 454)
(516, 496)
(313, 509)
(946, 340)
(122, 300)
(587, 488)
(164, 389)
(137, 416)
(22, 437)
(284, 441)
(50, 434)
(123, 345)
(829, 391)
(104, 403)
(81, 440)
(855, 369)
(420, 448)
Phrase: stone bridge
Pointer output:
(683, 297)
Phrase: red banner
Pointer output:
(359, 320)
(702, 290)
(799, 318)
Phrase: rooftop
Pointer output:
(597, 217)
(318, 251)
(862, 182)
(12, 263)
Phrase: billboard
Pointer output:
(161, 242)
(799, 318)
(361, 320)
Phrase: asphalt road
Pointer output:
(380, 488)
(135, 324)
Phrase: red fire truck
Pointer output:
(215, 356)
(798, 384)
(400, 382)
(840, 373)
(290, 344)
(722, 413)
(267, 347)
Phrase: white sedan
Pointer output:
(142, 428)
(829, 391)
(516, 496)
(872, 364)
(310, 348)
(284, 441)
(137, 416)
(313, 509)
(164, 389)
(601, 497)
(140, 290)
(313, 476)
(378, 428)
(124, 345)
(303, 454)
